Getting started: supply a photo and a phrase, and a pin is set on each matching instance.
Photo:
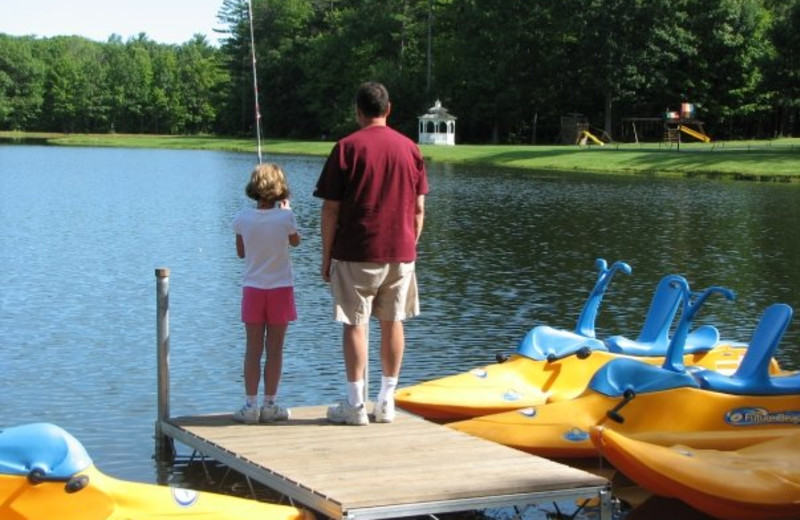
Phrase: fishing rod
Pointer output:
(255, 79)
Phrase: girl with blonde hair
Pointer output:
(263, 236)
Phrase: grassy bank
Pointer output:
(773, 160)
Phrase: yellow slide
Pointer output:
(694, 133)
(587, 134)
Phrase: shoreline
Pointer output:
(776, 160)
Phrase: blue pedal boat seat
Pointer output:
(654, 339)
(44, 447)
(753, 376)
(620, 375)
(623, 375)
(544, 342)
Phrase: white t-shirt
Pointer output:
(267, 263)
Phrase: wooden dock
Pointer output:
(405, 468)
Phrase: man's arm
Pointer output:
(329, 220)
(419, 216)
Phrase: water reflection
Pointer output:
(502, 251)
(524, 246)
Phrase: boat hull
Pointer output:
(755, 483)
(106, 498)
(684, 415)
(522, 382)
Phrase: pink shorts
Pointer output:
(270, 306)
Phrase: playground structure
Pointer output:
(575, 129)
(672, 125)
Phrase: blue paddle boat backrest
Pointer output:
(653, 340)
(44, 447)
(621, 375)
(666, 300)
(548, 343)
(588, 316)
(753, 375)
(674, 359)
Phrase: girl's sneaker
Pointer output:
(246, 414)
(274, 413)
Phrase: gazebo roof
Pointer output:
(439, 113)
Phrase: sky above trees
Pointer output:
(164, 21)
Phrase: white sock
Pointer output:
(251, 401)
(269, 400)
(355, 392)
(388, 386)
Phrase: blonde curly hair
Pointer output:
(267, 183)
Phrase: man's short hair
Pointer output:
(372, 99)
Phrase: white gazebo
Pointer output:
(437, 126)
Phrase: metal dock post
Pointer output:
(165, 448)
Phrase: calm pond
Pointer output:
(83, 229)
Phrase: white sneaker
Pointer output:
(274, 413)
(246, 414)
(384, 411)
(343, 413)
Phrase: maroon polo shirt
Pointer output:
(376, 173)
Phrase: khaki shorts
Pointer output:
(361, 289)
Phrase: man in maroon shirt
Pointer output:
(373, 185)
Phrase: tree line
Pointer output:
(72, 84)
(508, 69)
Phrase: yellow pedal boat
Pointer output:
(665, 405)
(45, 473)
(556, 365)
(523, 382)
(760, 482)
(685, 415)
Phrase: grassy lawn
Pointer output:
(772, 160)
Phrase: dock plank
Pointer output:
(404, 468)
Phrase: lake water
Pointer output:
(82, 231)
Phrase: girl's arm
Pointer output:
(240, 246)
(294, 239)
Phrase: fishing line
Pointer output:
(255, 79)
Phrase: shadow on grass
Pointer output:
(764, 163)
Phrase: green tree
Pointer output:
(169, 112)
(625, 49)
(237, 107)
(508, 69)
(503, 66)
(281, 30)
(201, 82)
(783, 68)
(140, 88)
(75, 90)
(725, 75)
(22, 76)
